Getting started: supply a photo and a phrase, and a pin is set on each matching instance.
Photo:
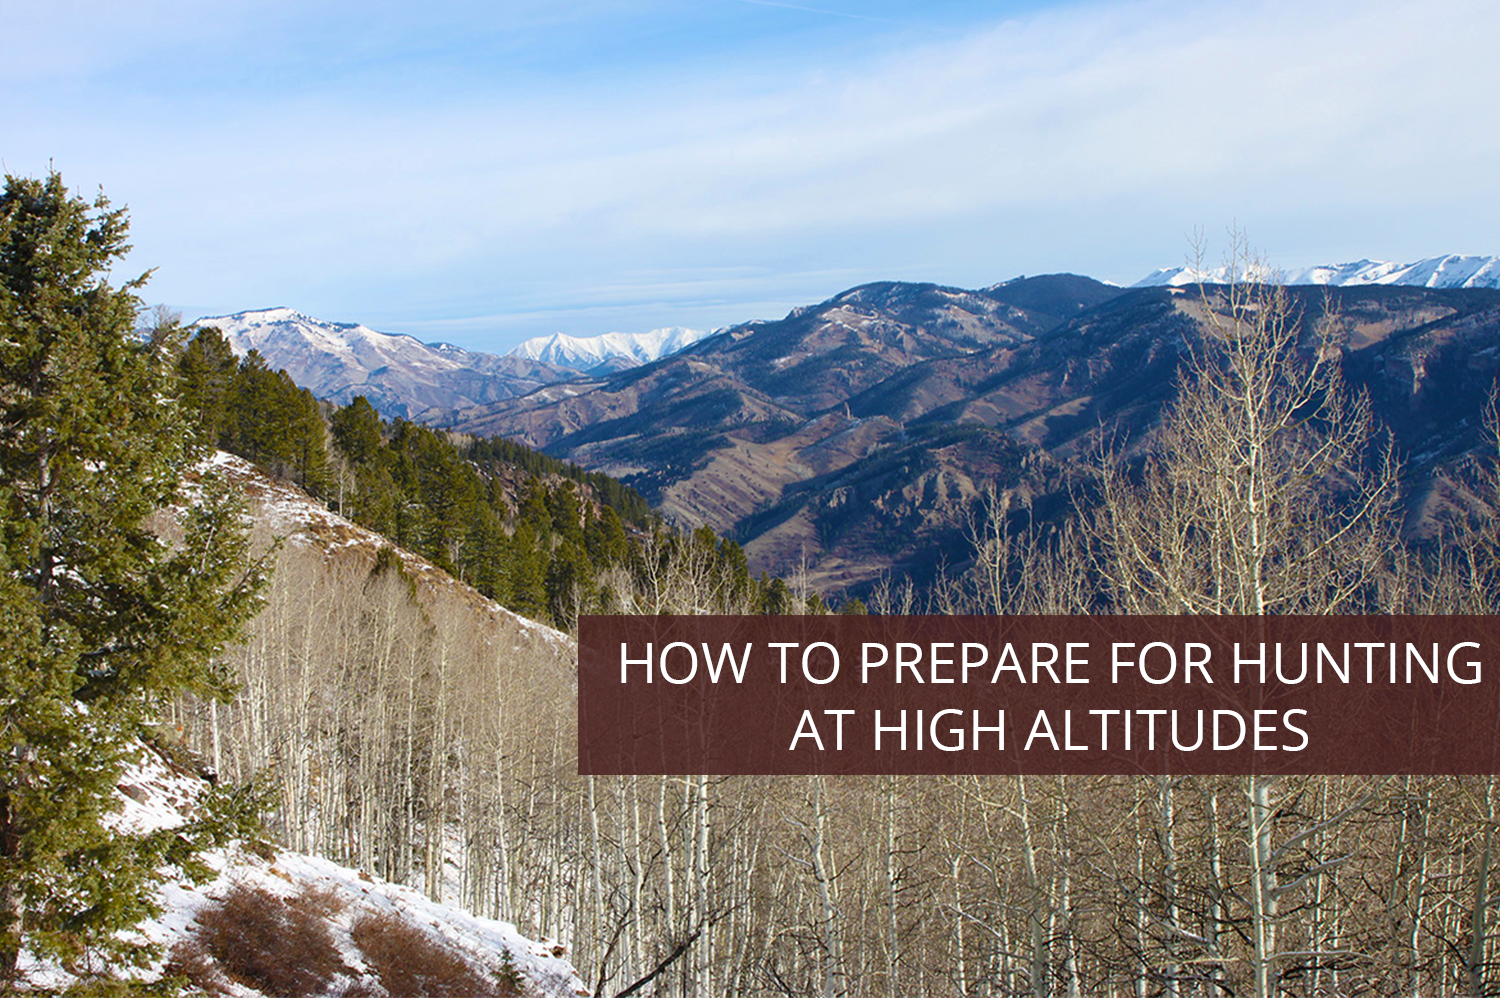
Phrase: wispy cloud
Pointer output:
(1085, 136)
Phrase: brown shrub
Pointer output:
(189, 960)
(326, 901)
(410, 962)
(276, 947)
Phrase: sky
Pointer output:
(483, 172)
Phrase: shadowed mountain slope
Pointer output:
(852, 436)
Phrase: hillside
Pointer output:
(269, 921)
(394, 702)
(830, 436)
(419, 732)
(851, 438)
(736, 431)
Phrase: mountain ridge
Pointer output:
(400, 375)
(907, 400)
(405, 377)
(608, 351)
(806, 438)
(1449, 271)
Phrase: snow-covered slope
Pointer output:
(1434, 272)
(317, 903)
(400, 375)
(342, 905)
(589, 353)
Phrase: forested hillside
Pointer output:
(538, 535)
(852, 436)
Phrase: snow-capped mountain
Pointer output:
(609, 351)
(400, 375)
(1434, 272)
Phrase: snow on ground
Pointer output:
(155, 794)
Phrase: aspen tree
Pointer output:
(1259, 499)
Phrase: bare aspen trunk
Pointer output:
(669, 894)
(1216, 911)
(596, 869)
(1317, 917)
(1167, 825)
(828, 920)
(1140, 921)
(705, 951)
(960, 964)
(1474, 968)
(1040, 910)
(893, 938)
(1262, 887)
(1417, 904)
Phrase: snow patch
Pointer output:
(156, 795)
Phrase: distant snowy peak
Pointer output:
(399, 374)
(1434, 272)
(1176, 277)
(586, 353)
(277, 330)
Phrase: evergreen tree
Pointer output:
(356, 430)
(208, 367)
(527, 575)
(567, 513)
(255, 398)
(605, 539)
(309, 439)
(100, 622)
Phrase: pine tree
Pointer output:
(208, 367)
(100, 621)
(356, 430)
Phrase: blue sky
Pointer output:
(484, 172)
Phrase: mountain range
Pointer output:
(402, 376)
(1433, 272)
(607, 352)
(852, 437)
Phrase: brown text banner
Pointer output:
(998, 695)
